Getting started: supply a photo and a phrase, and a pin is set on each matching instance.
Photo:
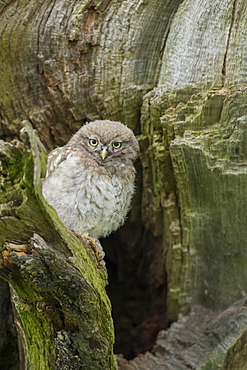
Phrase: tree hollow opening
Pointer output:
(137, 288)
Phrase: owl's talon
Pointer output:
(97, 248)
(102, 150)
(100, 256)
(101, 264)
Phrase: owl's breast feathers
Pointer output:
(92, 192)
(55, 158)
(88, 197)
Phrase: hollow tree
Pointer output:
(175, 72)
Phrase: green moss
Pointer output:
(194, 163)
(37, 332)
(51, 293)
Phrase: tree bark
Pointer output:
(197, 132)
(175, 72)
(70, 60)
(63, 314)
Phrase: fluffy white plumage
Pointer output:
(90, 180)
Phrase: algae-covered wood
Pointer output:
(204, 138)
(63, 312)
(175, 72)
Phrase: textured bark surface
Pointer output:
(201, 340)
(198, 140)
(204, 138)
(79, 61)
(175, 72)
(63, 314)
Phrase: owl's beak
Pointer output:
(104, 151)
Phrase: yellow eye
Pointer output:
(93, 142)
(116, 144)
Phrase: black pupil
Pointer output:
(94, 142)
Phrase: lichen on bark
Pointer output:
(200, 139)
(57, 290)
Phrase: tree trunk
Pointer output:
(63, 315)
(175, 72)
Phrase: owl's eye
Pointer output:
(93, 142)
(116, 144)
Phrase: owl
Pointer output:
(90, 180)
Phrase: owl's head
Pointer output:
(107, 141)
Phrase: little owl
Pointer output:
(90, 180)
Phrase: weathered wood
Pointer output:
(204, 232)
(200, 340)
(197, 44)
(194, 157)
(64, 63)
(64, 314)
(78, 61)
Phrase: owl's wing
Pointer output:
(56, 157)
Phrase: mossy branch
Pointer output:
(64, 314)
